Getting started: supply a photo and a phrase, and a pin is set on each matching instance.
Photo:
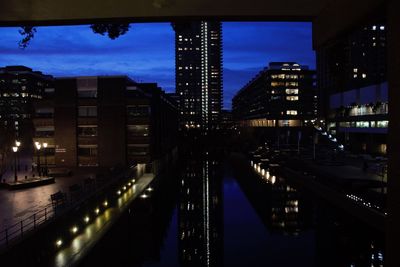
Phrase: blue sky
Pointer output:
(146, 52)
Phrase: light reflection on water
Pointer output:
(225, 216)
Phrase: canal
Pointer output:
(214, 210)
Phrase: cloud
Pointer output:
(146, 52)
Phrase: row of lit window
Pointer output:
(275, 84)
(291, 112)
(364, 124)
(284, 76)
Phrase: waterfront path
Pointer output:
(17, 205)
(72, 253)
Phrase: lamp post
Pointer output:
(18, 144)
(15, 150)
(38, 146)
(45, 159)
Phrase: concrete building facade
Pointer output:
(105, 121)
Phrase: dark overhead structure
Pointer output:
(331, 18)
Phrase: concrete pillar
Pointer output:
(393, 219)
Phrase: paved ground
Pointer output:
(74, 252)
(350, 172)
(19, 204)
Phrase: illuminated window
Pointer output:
(362, 124)
(292, 98)
(291, 112)
(292, 91)
(382, 124)
(275, 84)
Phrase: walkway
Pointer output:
(74, 252)
(17, 205)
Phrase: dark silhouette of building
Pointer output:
(19, 86)
(198, 65)
(282, 95)
(106, 121)
(353, 87)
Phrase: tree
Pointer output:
(113, 30)
(28, 32)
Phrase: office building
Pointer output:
(19, 86)
(353, 88)
(281, 95)
(105, 121)
(198, 65)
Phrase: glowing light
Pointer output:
(105, 203)
(144, 196)
(97, 211)
(133, 180)
(150, 189)
(119, 192)
(129, 184)
(124, 188)
(59, 243)
(74, 229)
(86, 219)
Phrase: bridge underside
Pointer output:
(330, 18)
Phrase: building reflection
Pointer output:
(200, 213)
(286, 216)
(281, 207)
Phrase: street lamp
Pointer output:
(15, 150)
(38, 146)
(45, 158)
(18, 144)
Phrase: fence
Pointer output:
(32, 222)
(19, 229)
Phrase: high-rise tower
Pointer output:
(198, 64)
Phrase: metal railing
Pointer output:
(20, 228)
(51, 211)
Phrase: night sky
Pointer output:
(146, 52)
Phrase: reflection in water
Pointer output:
(340, 240)
(200, 213)
(223, 213)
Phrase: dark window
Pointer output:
(87, 151)
(138, 130)
(138, 111)
(87, 130)
(87, 111)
